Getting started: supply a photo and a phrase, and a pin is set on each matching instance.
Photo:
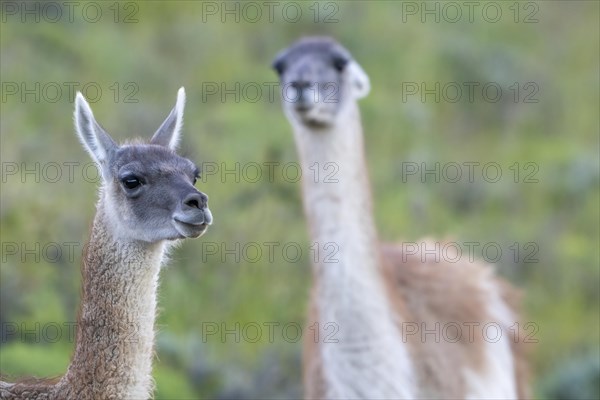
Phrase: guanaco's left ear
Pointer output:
(359, 80)
(170, 131)
(95, 140)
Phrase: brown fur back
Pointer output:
(425, 294)
(437, 291)
(28, 388)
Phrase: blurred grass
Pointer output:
(170, 47)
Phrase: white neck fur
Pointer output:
(369, 358)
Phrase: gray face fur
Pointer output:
(148, 190)
(318, 79)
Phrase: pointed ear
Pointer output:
(359, 80)
(94, 139)
(170, 131)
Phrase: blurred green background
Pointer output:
(143, 52)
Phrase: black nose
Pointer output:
(196, 200)
(300, 85)
(303, 90)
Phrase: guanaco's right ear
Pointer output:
(169, 132)
(359, 80)
(94, 139)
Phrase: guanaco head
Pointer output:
(148, 190)
(318, 80)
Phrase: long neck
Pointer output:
(115, 333)
(337, 196)
(350, 292)
(337, 202)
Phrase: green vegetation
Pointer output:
(551, 212)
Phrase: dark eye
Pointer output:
(131, 182)
(279, 66)
(339, 62)
(195, 180)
